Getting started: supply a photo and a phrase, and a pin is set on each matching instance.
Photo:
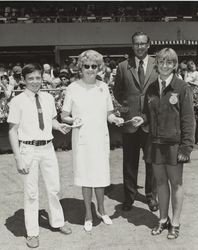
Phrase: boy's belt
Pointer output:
(36, 143)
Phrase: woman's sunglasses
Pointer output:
(93, 66)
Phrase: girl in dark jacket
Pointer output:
(168, 109)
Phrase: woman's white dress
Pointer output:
(90, 142)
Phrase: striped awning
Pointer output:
(174, 42)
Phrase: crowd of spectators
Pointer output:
(56, 79)
(64, 12)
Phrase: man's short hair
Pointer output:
(140, 33)
(29, 68)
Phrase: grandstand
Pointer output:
(53, 31)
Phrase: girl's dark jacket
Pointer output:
(171, 116)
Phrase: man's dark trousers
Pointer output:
(132, 143)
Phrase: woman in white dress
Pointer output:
(88, 100)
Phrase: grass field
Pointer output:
(130, 230)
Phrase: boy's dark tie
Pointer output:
(141, 73)
(40, 113)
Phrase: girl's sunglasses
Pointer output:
(93, 66)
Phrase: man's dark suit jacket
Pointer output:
(128, 90)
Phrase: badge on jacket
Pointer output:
(173, 99)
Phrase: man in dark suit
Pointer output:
(132, 80)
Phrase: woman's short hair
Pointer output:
(91, 55)
(29, 68)
(167, 54)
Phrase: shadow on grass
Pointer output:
(74, 213)
(15, 223)
(137, 216)
(116, 192)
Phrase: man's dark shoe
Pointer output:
(161, 226)
(65, 229)
(152, 204)
(126, 206)
(32, 241)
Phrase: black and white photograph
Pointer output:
(99, 125)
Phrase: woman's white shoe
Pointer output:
(88, 225)
(105, 218)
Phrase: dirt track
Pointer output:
(130, 230)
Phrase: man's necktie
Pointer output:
(40, 113)
(163, 86)
(141, 73)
